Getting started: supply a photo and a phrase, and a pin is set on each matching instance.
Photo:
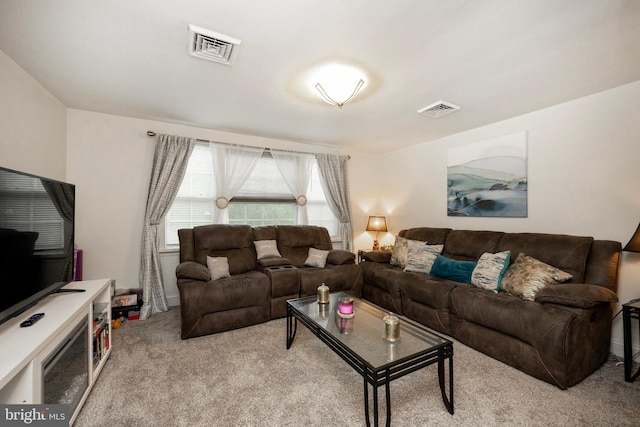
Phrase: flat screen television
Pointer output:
(36, 239)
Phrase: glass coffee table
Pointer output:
(359, 341)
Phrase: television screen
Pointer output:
(36, 239)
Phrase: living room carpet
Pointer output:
(247, 377)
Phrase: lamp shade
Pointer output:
(377, 223)
(632, 246)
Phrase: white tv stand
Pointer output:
(23, 350)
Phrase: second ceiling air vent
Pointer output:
(212, 46)
(439, 109)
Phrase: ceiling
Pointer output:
(495, 59)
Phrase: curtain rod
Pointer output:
(152, 133)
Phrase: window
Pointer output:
(31, 209)
(264, 199)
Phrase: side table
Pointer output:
(630, 310)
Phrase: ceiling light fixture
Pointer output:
(338, 84)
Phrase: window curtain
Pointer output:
(63, 198)
(295, 169)
(232, 165)
(335, 184)
(169, 166)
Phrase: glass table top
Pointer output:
(363, 334)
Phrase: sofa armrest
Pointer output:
(576, 295)
(339, 257)
(192, 270)
(378, 256)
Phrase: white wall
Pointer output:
(582, 154)
(109, 159)
(583, 178)
(32, 124)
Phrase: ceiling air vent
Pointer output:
(212, 46)
(438, 109)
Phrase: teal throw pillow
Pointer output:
(451, 269)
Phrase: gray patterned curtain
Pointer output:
(63, 197)
(169, 166)
(335, 184)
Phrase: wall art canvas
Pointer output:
(489, 178)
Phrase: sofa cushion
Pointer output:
(234, 242)
(420, 257)
(435, 236)
(346, 277)
(426, 299)
(218, 267)
(294, 241)
(447, 268)
(525, 320)
(490, 270)
(528, 275)
(266, 249)
(568, 253)
(469, 245)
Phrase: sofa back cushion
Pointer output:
(265, 232)
(235, 242)
(469, 245)
(568, 253)
(294, 241)
(433, 236)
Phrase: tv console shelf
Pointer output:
(25, 352)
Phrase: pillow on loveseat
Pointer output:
(218, 267)
(266, 249)
(528, 275)
(317, 258)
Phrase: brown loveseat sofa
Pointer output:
(561, 337)
(256, 290)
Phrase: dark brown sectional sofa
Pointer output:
(256, 290)
(561, 337)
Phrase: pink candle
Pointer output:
(345, 305)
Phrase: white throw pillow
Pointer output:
(490, 269)
(420, 256)
(266, 249)
(316, 258)
(218, 267)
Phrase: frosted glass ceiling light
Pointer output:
(338, 84)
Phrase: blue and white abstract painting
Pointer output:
(489, 178)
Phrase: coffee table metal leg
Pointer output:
(388, 397)
(375, 401)
(448, 401)
(366, 401)
(292, 327)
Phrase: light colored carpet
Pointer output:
(248, 378)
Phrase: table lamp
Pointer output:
(634, 243)
(376, 223)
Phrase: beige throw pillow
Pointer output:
(218, 267)
(266, 249)
(316, 258)
(528, 275)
